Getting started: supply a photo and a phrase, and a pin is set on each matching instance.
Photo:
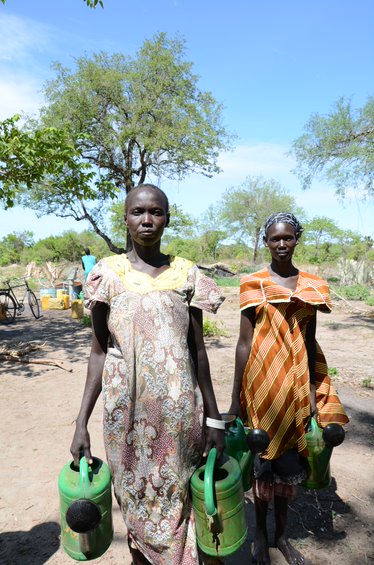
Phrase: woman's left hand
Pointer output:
(214, 438)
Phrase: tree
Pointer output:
(319, 235)
(13, 245)
(245, 209)
(340, 148)
(210, 237)
(30, 157)
(130, 119)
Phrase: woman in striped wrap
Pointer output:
(281, 377)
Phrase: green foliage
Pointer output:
(227, 281)
(187, 248)
(367, 382)
(369, 300)
(339, 148)
(29, 160)
(354, 292)
(20, 248)
(333, 372)
(317, 244)
(13, 246)
(238, 251)
(212, 329)
(86, 321)
(129, 118)
(93, 3)
(245, 209)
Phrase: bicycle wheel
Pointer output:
(7, 308)
(34, 304)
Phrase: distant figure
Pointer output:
(88, 262)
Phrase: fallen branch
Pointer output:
(55, 362)
(350, 306)
(18, 353)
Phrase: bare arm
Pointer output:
(100, 333)
(200, 359)
(310, 342)
(243, 348)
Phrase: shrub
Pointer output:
(227, 281)
(367, 383)
(354, 292)
(212, 329)
(369, 301)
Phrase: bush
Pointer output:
(227, 281)
(212, 329)
(354, 292)
(369, 301)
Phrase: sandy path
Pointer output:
(38, 406)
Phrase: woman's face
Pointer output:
(146, 216)
(281, 241)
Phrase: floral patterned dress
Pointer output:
(152, 403)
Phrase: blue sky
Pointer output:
(272, 64)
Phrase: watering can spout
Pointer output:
(257, 441)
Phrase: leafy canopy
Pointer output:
(29, 157)
(127, 120)
(340, 148)
(245, 208)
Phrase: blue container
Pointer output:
(47, 292)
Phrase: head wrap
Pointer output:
(284, 218)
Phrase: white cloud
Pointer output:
(19, 95)
(21, 38)
(22, 72)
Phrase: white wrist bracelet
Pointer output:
(217, 424)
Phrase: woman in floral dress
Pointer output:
(148, 358)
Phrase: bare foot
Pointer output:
(260, 553)
(291, 555)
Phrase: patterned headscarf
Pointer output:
(284, 218)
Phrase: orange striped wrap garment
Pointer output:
(275, 393)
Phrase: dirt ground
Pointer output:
(38, 404)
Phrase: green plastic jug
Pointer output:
(320, 444)
(218, 504)
(85, 509)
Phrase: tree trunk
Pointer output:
(256, 243)
(96, 228)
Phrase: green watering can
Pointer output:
(242, 444)
(218, 492)
(320, 444)
(85, 509)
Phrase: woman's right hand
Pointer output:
(81, 444)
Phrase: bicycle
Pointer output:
(10, 304)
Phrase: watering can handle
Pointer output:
(84, 479)
(239, 424)
(210, 507)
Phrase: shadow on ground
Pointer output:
(33, 547)
(56, 331)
